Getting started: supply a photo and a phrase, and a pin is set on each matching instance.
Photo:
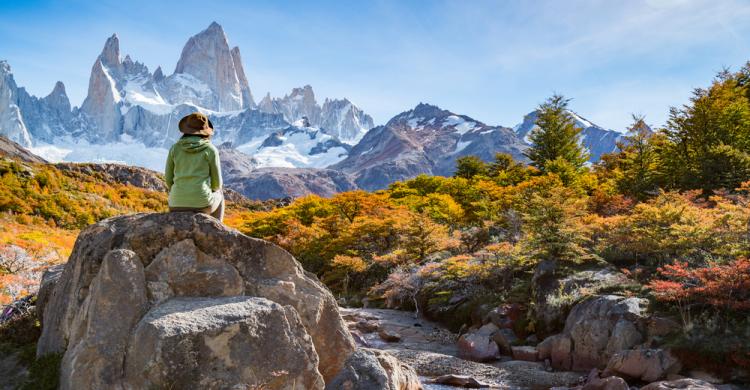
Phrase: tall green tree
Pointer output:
(638, 174)
(556, 136)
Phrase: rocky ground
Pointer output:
(433, 352)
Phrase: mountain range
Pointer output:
(276, 147)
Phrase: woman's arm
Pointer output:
(169, 171)
(214, 165)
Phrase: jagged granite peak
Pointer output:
(158, 74)
(295, 105)
(110, 55)
(346, 121)
(247, 95)
(12, 123)
(101, 103)
(266, 104)
(207, 59)
(58, 98)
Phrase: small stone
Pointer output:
(459, 381)
(368, 326)
(389, 336)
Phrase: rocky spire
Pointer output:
(110, 56)
(158, 74)
(101, 102)
(12, 124)
(207, 58)
(58, 98)
(266, 104)
(247, 96)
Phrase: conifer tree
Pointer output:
(639, 162)
(556, 136)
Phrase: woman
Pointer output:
(193, 172)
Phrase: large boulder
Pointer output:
(595, 330)
(372, 369)
(552, 282)
(125, 270)
(648, 365)
(220, 342)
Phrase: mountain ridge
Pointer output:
(128, 107)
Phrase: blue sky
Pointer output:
(492, 60)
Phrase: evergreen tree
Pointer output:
(556, 136)
(638, 162)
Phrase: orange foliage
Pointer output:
(721, 286)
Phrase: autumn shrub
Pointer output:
(676, 226)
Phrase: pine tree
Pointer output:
(556, 136)
(639, 162)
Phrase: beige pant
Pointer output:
(216, 209)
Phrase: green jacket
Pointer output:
(193, 172)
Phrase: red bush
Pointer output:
(721, 286)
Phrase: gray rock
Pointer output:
(505, 338)
(207, 59)
(372, 369)
(684, 383)
(648, 365)
(595, 381)
(219, 343)
(479, 345)
(99, 332)
(46, 288)
(511, 374)
(459, 381)
(596, 329)
(265, 271)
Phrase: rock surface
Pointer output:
(648, 365)
(372, 369)
(479, 345)
(595, 330)
(221, 342)
(431, 351)
(512, 374)
(684, 383)
(118, 173)
(126, 267)
(15, 151)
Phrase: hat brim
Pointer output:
(185, 129)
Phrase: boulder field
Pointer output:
(181, 301)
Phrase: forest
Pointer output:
(665, 218)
